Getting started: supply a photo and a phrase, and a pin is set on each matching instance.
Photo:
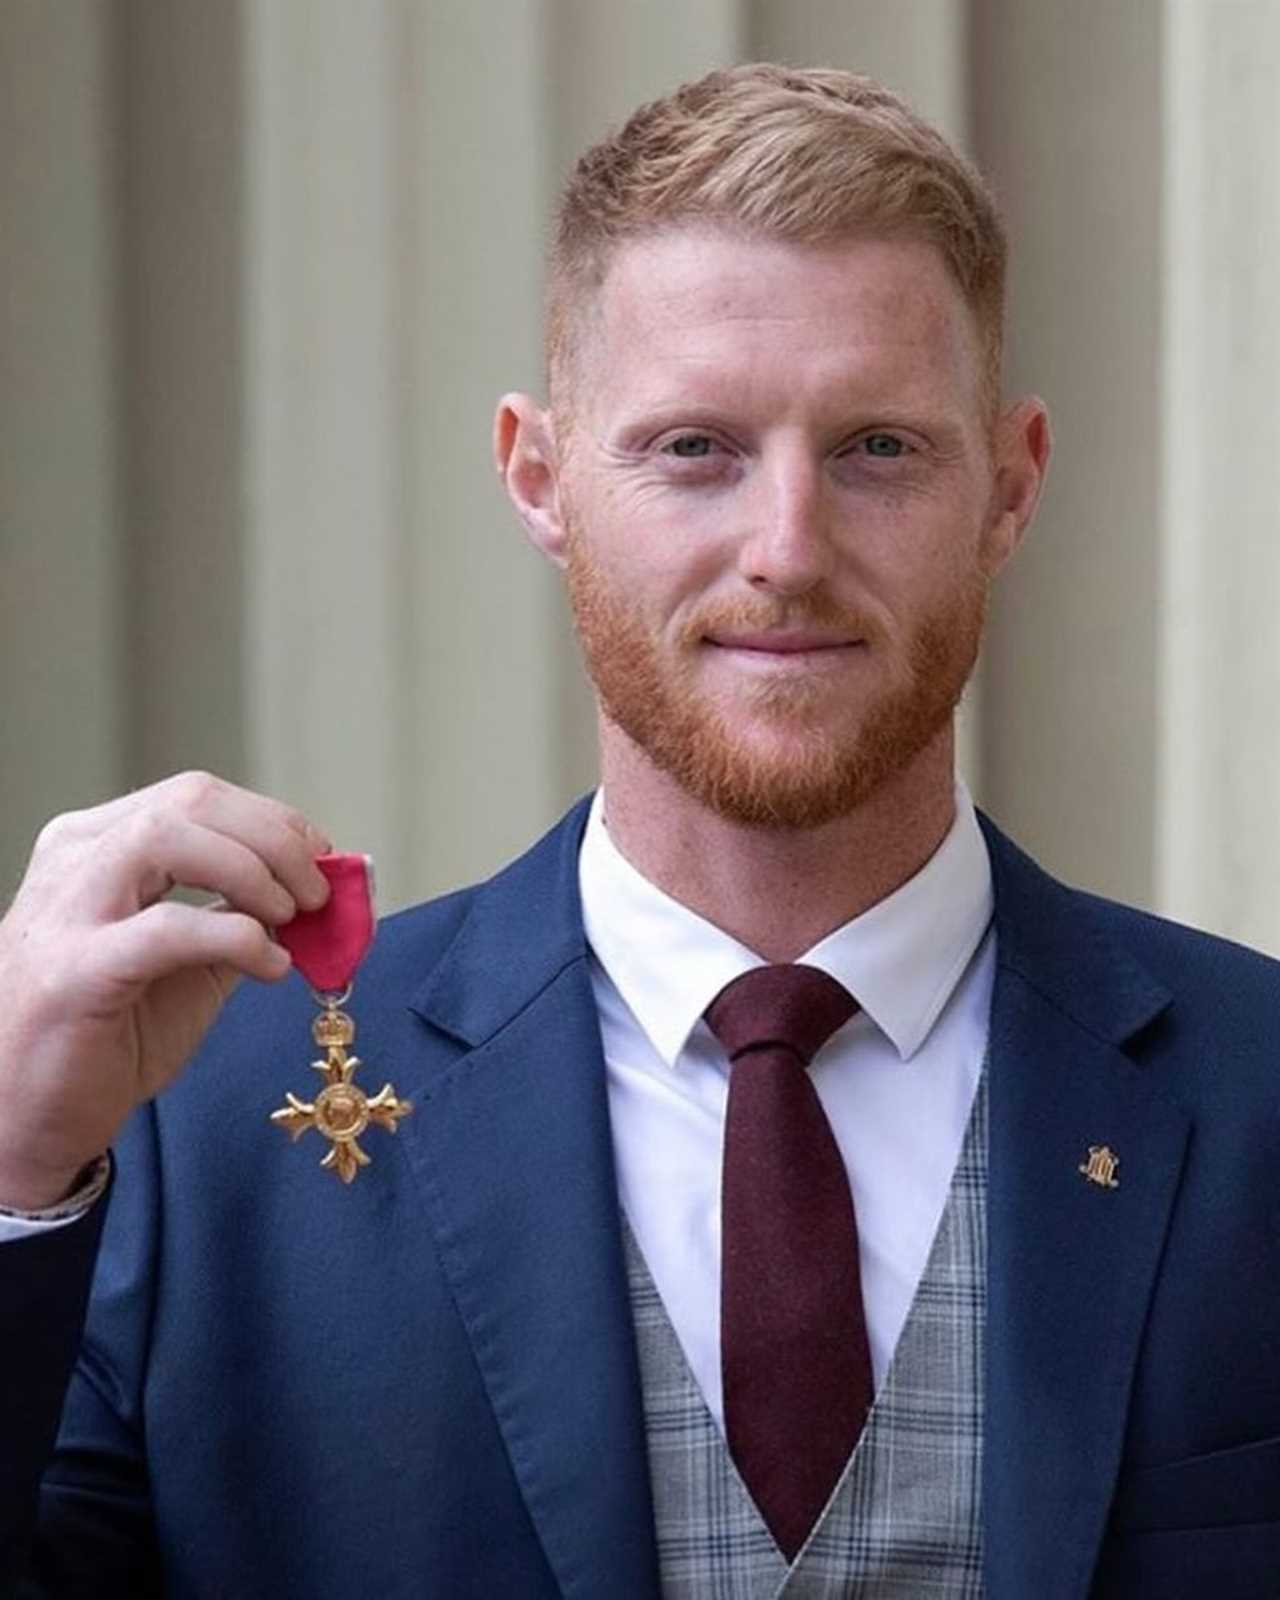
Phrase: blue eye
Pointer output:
(690, 446)
(884, 446)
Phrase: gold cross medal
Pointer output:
(327, 946)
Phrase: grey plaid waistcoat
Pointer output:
(905, 1518)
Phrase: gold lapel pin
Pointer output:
(1100, 1168)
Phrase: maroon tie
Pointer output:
(793, 1340)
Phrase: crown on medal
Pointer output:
(333, 1027)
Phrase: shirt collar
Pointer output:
(902, 958)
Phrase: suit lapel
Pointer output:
(1071, 1260)
(514, 1155)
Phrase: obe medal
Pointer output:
(327, 946)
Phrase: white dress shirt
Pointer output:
(897, 1081)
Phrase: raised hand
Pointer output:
(109, 985)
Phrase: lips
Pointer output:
(781, 644)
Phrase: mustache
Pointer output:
(759, 614)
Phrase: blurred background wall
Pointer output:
(266, 265)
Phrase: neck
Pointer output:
(777, 891)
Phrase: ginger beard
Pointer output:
(777, 758)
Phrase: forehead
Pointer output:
(690, 305)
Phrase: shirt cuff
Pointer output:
(23, 1224)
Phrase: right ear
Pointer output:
(525, 456)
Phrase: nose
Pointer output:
(787, 549)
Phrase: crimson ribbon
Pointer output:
(328, 945)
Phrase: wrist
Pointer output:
(26, 1192)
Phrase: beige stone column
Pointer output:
(179, 390)
(63, 591)
(1217, 838)
(479, 718)
(1067, 120)
(324, 534)
(1130, 732)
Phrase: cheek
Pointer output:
(652, 543)
(632, 574)
(916, 566)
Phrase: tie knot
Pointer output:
(789, 1005)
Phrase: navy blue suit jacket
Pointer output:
(425, 1384)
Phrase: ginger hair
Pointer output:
(814, 156)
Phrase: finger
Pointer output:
(90, 822)
(279, 834)
(170, 937)
(158, 850)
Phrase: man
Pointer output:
(769, 1084)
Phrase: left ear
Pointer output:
(1021, 455)
(524, 453)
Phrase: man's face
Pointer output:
(777, 491)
